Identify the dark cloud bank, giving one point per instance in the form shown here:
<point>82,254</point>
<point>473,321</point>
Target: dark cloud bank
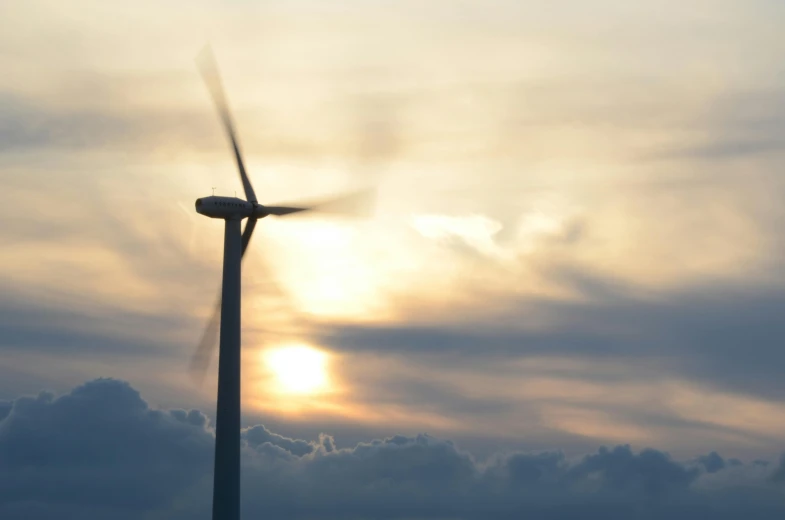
<point>101,452</point>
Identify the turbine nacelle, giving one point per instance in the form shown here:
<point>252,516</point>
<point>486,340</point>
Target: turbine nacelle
<point>228,208</point>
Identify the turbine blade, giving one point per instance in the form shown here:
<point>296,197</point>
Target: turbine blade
<point>280,211</point>
<point>357,204</point>
<point>250,225</point>
<point>200,361</point>
<point>212,78</point>
<point>204,350</point>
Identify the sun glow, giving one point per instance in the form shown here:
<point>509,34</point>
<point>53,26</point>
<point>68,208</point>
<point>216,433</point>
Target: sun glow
<point>297,369</point>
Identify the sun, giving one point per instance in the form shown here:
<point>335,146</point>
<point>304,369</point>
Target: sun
<point>297,369</point>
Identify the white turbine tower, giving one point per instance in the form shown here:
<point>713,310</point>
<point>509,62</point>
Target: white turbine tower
<point>226,483</point>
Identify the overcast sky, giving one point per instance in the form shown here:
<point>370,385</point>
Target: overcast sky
<point>576,243</point>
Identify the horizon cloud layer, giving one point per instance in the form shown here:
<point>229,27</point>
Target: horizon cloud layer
<point>101,450</point>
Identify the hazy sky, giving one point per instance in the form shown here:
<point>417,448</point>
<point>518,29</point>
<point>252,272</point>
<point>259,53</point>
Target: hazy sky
<point>576,239</point>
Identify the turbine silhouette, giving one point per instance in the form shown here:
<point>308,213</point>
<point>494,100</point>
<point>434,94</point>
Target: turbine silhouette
<point>226,317</point>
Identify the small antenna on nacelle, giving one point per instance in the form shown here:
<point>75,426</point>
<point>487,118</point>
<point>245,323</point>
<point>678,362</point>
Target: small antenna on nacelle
<point>213,192</point>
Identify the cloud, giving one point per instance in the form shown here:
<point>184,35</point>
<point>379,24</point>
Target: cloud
<point>257,436</point>
<point>99,446</point>
<point>724,334</point>
<point>5,409</point>
<point>101,450</point>
<point>713,462</point>
<point>779,473</point>
<point>581,371</point>
<point>748,122</point>
<point>588,366</point>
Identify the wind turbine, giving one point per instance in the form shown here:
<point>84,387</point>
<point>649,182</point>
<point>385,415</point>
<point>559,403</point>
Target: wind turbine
<point>233,210</point>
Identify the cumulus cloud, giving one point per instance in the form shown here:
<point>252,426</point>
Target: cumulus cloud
<point>101,451</point>
<point>779,473</point>
<point>98,446</point>
<point>258,436</point>
<point>713,462</point>
<point>5,409</point>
